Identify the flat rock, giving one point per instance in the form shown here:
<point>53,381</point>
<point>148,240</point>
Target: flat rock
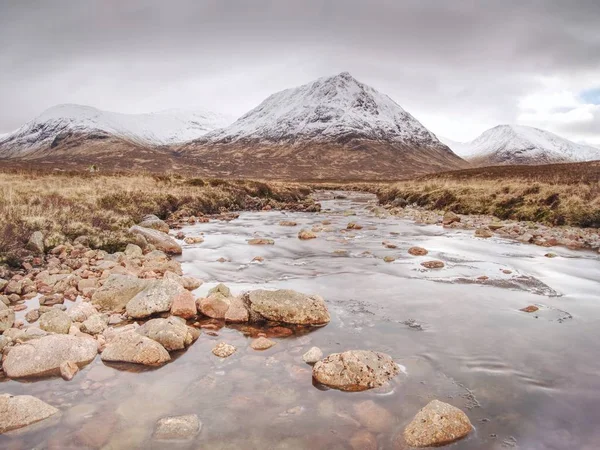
<point>177,427</point>
<point>18,411</point>
<point>436,424</point>
<point>55,321</point>
<point>160,240</point>
<point>355,370</point>
<point>156,297</point>
<point>134,348</point>
<point>287,306</point>
<point>43,356</point>
<point>117,291</point>
<point>172,333</point>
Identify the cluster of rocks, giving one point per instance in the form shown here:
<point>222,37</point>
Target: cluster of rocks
<point>488,226</point>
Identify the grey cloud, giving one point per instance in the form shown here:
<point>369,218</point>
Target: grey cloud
<point>463,58</point>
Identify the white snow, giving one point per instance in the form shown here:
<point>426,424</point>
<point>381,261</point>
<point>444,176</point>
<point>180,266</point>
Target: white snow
<point>159,128</point>
<point>512,143</point>
<point>326,108</point>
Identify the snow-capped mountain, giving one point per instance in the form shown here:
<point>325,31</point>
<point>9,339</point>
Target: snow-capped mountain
<point>333,124</point>
<point>517,144</point>
<point>63,121</point>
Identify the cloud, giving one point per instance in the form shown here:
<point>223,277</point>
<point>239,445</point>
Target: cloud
<point>458,66</point>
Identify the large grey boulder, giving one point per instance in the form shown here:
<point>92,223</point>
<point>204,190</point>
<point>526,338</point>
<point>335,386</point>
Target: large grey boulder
<point>355,370</point>
<point>36,242</point>
<point>172,333</point>
<point>287,306</point>
<point>18,411</point>
<point>55,321</point>
<point>43,356</point>
<point>160,240</point>
<point>117,291</point>
<point>7,317</point>
<point>157,297</point>
<point>134,348</point>
<point>152,221</point>
<point>437,424</point>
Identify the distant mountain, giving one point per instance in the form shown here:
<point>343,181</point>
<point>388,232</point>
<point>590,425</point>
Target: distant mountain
<point>516,144</point>
<point>331,128</point>
<point>78,127</point>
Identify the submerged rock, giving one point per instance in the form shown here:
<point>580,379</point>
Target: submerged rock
<point>171,333</point>
<point>287,306</point>
<point>18,411</point>
<point>160,240</point>
<point>68,370</point>
<point>355,370</point>
<point>262,343</point>
<point>373,417</point>
<point>437,424</point>
<point>223,350</point>
<point>177,427</point>
<point>306,235</point>
<point>134,348</point>
<point>43,356</point>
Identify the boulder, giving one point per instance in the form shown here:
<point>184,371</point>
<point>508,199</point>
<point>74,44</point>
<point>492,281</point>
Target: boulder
<point>287,306</point>
<point>160,240</point>
<point>157,297</point>
<point>117,291</point>
<point>18,411</point>
<point>417,251</point>
<point>55,321</point>
<point>223,350</point>
<point>81,311</point>
<point>355,370</point>
<point>36,243</point>
<point>450,217</point>
<point>313,355</point>
<point>7,317</point>
<point>134,348</point>
<point>172,333</point>
<point>437,424</point>
<point>68,370</point>
<point>483,233</point>
<point>152,221</point>
<point>43,356</point>
<point>95,324</point>
<point>133,251</point>
<point>184,305</point>
<point>237,311</point>
<point>189,283</point>
<point>214,306</point>
<point>179,428</point>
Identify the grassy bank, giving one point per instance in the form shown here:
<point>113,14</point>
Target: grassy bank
<point>552,203</point>
<point>66,206</point>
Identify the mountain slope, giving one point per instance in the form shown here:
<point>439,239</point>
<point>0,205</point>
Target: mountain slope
<point>516,144</point>
<point>331,128</point>
<point>77,124</point>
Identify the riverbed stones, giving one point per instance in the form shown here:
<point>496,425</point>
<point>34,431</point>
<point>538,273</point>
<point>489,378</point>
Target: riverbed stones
<point>155,298</point>
<point>154,222</point>
<point>363,440</point>
<point>261,241</point>
<point>188,283</point>
<point>305,235</point>
<point>417,251</point>
<point>68,369</point>
<point>184,305</point>
<point>95,324</point>
<point>389,259</point>
<point>172,333</point>
<point>355,370</point>
<point>117,291</point>
<point>133,251</point>
<point>483,233</point>
<point>36,243</point>
<point>287,306</point>
<point>18,411</point>
<point>313,355</point>
<point>134,348</point>
<point>287,223</point>
<point>55,321</point>
<point>81,311</point>
<point>160,240</point>
<point>433,264</point>
<point>262,343</point>
<point>373,417</point>
<point>437,424</point>
<point>223,350</point>
<point>450,218</point>
<point>7,317</point>
<point>180,428</point>
<point>191,240</point>
<point>530,309</point>
<point>43,356</point>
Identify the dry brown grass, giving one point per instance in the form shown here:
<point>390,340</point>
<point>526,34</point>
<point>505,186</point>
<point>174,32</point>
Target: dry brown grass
<point>65,206</point>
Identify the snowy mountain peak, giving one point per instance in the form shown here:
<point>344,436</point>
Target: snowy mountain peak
<point>331,109</point>
<point>161,128</point>
<point>519,144</point>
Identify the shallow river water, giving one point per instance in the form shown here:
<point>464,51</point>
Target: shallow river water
<point>526,380</point>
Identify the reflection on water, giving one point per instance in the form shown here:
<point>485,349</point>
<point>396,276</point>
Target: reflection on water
<point>527,381</point>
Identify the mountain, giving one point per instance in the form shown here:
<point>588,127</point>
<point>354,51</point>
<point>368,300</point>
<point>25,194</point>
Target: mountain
<point>331,128</point>
<point>76,128</point>
<point>517,144</point>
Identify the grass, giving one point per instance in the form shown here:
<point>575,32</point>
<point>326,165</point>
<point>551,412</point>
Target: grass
<point>558,194</point>
<point>101,208</point>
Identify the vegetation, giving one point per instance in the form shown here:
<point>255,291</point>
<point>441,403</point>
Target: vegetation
<point>100,208</point>
<point>558,194</point>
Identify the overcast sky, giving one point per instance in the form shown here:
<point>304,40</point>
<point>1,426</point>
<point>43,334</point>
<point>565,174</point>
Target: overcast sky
<point>458,67</point>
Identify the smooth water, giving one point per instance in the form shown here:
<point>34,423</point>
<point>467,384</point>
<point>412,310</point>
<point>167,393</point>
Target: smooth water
<point>526,380</point>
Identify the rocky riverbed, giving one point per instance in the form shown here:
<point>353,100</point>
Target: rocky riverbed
<point>461,335</point>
